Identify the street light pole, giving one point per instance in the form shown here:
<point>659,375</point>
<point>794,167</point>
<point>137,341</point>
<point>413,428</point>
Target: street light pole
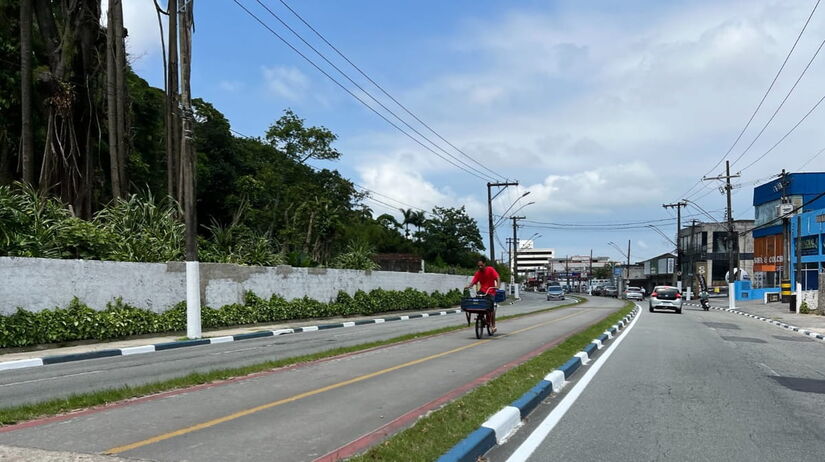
<point>490,198</point>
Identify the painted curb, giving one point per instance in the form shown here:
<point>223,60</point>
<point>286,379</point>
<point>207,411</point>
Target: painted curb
<point>486,437</point>
<point>783,325</point>
<point>128,351</point>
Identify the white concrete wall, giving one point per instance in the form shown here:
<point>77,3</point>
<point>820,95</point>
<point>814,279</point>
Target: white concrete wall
<point>38,283</point>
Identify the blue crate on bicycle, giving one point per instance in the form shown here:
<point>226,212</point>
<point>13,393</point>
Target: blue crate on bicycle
<point>475,303</point>
<point>501,295</point>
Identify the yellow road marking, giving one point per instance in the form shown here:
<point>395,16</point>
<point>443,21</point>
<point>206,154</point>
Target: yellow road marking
<point>227,418</point>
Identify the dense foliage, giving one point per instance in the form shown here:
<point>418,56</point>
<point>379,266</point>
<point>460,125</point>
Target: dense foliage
<point>258,199</point>
<point>79,322</point>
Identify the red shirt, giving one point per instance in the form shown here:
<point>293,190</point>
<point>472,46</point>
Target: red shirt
<point>487,277</point>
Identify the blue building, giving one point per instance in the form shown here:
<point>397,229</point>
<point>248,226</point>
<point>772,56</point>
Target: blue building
<point>812,248</point>
<point>774,258</point>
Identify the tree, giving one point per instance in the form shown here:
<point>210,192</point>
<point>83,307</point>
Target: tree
<point>453,236</point>
<point>289,135</point>
<point>26,137</point>
<point>604,272</point>
<point>407,215</point>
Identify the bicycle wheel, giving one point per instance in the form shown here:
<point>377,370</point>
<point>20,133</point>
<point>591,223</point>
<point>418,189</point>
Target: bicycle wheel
<point>480,322</point>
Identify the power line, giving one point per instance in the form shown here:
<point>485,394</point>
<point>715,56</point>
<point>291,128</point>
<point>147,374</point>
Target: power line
<point>384,91</point>
<point>350,92</point>
<point>346,76</point>
<point>785,215</point>
<point>786,135</point>
<point>782,103</point>
<point>811,159</point>
<point>773,82</point>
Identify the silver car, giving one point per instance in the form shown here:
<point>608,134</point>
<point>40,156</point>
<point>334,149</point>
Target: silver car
<point>668,297</point>
<point>633,293</point>
<point>555,293</point>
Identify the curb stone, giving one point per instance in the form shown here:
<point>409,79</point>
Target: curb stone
<point>800,330</point>
<point>502,424</point>
<point>56,359</point>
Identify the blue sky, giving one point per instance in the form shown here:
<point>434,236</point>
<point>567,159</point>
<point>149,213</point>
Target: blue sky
<point>602,110</point>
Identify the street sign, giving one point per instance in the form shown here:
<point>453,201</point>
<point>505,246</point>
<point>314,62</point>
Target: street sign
<point>617,271</point>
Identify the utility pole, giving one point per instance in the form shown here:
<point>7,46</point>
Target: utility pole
<point>732,240</point>
<point>515,248</point>
<point>490,198</point>
<point>678,267</point>
<point>187,163</point>
<point>692,247</point>
<point>590,274</point>
<point>628,261</point>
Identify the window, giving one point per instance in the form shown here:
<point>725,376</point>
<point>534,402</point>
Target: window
<point>720,242</point>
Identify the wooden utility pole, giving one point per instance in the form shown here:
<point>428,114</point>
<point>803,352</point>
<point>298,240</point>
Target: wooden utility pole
<point>732,238</point>
<point>678,267</point>
<point>120,85</point>
<point>26,136</point>
<point>187,164</point>
<point>490,198</point>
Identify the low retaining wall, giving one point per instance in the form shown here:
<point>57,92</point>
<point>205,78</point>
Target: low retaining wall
<point>38,283</point>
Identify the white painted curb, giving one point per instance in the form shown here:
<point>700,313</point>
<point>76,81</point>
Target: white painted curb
<point>503,422</point>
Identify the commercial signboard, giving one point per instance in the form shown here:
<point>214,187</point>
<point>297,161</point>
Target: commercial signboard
<point>768,253</point>
<point>809,245</point>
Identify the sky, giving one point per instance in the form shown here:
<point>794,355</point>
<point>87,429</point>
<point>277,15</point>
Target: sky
<point>602,110</point>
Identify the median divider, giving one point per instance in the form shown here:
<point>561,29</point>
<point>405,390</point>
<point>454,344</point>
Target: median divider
<point>56,359</point>
<point>505,422</point>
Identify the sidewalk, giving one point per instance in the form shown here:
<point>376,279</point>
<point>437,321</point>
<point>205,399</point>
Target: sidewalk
<point>776,311</point>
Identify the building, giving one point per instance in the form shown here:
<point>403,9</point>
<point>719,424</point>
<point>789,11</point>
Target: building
<point>575,269</point>
<point>705,252</point>
<point>773,259</point>
<point>658,271</point>
<point>532,262</point>
<point>809,230</point>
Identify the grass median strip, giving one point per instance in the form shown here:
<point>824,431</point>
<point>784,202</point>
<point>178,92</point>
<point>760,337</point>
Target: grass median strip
<point>439,431</point>
<point>16,414</point>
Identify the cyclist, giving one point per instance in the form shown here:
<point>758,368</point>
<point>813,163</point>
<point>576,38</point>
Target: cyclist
<point>488,279</point>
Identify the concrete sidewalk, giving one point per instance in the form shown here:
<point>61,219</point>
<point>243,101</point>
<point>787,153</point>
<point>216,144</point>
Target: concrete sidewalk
<point>776,311</point>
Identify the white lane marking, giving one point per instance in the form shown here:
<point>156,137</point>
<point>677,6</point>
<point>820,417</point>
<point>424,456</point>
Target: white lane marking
<point>769,369</point>
<point>49,378</point>
<point>546,426</point>
<point>233,351</point>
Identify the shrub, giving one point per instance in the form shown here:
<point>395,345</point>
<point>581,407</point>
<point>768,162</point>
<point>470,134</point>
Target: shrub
<point>79,322</point>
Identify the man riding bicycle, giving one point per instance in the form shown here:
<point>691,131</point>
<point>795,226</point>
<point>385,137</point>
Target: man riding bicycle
<point>488,279</point>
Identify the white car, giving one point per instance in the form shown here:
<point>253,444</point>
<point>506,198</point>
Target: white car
<point>668,297</point>
<point>633,293</point>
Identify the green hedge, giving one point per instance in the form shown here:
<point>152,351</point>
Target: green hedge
<point>79,322</point>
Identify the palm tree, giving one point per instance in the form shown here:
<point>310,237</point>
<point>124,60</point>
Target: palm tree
<point>388,221</point>
<point>418,219</point>
<point>408,220</point>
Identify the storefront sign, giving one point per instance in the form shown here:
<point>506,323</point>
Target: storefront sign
<point>809,245</point>
<point>768,253</point>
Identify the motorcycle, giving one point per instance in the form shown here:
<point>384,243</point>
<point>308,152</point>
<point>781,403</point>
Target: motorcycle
<point>703,300</point>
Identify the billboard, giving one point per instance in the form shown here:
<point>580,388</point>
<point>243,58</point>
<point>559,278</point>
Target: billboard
<point>768,253</point>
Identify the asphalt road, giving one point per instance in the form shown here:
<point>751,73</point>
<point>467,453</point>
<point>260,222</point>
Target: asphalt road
<point>697,386</point>
<point>23,386</point>
<point>304,412</point>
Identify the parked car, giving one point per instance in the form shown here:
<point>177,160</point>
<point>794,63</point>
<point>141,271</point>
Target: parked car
<point>668,297</point>
<point>555,293</point>
<point>633,293</point>
<point>597,290</point>
<point>610,291</point>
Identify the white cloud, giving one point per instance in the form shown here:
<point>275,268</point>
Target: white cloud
<point>285,82</point>
<point>231,86</point>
